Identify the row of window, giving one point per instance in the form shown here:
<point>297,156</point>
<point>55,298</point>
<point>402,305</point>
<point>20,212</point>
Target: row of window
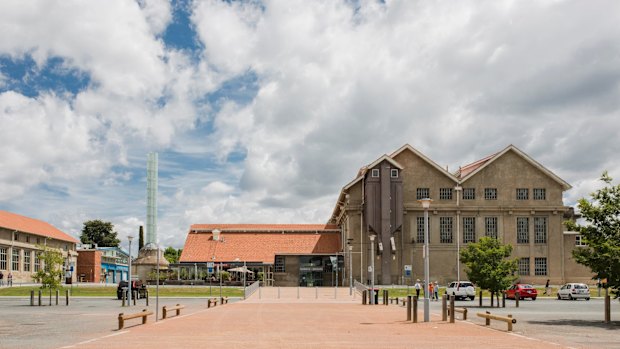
<point>15,256</point>
<point>376,173</point>
<point>540,266</point>
<point>489,193</point>
<point>490,229</point>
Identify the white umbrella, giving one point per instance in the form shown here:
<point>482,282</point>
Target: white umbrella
<point>241,270</point>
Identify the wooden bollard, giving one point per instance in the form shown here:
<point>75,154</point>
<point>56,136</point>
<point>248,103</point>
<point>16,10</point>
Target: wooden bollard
<point>503,299</point>
<point>480,299</point>
<point>510,323</point>
<point>487,319</point>
<point>40,297</point>
<point>31,297</point>
<point>517,296</point>
<point>444,308</point>
<point>364,297</point>
<point>57,295</point>
<point>452,309</point>
<point>409,307</point>
<point>607,308</point>
<point>415,310</point>
<point>385,297</point>
<point>124,296</point>
<point>121,321</point>
<point>67,297</point>
<point>133,297</point>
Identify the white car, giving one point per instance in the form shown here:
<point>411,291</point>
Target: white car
<point>461,290</point>
<point>574,291</point>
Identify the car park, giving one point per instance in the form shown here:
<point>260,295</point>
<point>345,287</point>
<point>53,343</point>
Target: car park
<point>524,291</point>
<point>574,291</point>
<point>461,290</point>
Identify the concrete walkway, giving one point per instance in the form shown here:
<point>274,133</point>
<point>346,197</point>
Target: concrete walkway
<point>327,321</point>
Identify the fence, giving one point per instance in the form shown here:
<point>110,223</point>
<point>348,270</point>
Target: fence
<point>360,287</point>
<point>249,290</point>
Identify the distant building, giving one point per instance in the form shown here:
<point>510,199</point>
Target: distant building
<point>22,238</point>
<point>102,264</point>
<point>286,254</point>
<point>508,196</point>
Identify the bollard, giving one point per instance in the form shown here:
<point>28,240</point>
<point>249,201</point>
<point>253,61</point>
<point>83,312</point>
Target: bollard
<point>50,297</point>
<point>221,300</point>
<point>124,297</point>
<point>386,295</point>
<point>480,299</point>
<point>147,298</point>
<point>409,308</point>
<point>67,297</point>
<point>415,310</point>
<point>488,320</point>
<point>364,297</point>
<point>133,298</point>
<point>57,294</point>
<point>510,324</point>
<point>31,297</point>
<point>444,308</point>
<point>492,296</point>
<point>503,299</point>
<point>517,299</point>
<point>39,297</point>
<point>452,309</point>
<point>607,307</point>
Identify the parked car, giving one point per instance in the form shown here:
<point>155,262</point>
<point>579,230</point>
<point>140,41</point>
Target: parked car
<point>461,290</point>
<point>524,291</point>
<point>574,291</point>
<point>139,289</point>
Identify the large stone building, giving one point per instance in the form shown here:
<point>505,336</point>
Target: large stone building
<point>21,238</point>
<point>507,195</point>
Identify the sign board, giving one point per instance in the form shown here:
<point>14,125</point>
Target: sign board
<point>210,264</point>
<point>408,270</point>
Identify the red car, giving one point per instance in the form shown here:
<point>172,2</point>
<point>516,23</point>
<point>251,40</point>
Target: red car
<point>524,290</point>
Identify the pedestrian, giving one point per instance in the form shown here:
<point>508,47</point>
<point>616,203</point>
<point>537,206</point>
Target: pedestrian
<point>436,288</point>
<point>1,279</point>
<point>431,291</point>
<point>9,279</point>
<point>416,286</point>
<point>547,290</point>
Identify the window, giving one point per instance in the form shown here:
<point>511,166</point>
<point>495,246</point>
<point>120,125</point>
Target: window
<point>540,230</point>
<point>37,261</point>
<point>524,266</point>
<point>16,236</point>
<point>279,264</point>
<point>27,238</point>
<point>422,193</point>
<point>394,173</point>
<point>445,193</point>
<point>579,241</point>
<point>38,241</point>
<point>15,260</point>
<point>27,260</point>
<point>490,227</point>
<point>445,230</point>
<point>540,194</point>
<point>469,229</point>
<point>490,193</point>
<point>420,224</point>
<point>374,172</point>
<point>469,193</point>
<point>3,258</point>
<point>540,266</point>
<point>523,230</point>
<point>523,194</point>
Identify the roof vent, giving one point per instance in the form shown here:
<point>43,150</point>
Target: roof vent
<point>216,235</point>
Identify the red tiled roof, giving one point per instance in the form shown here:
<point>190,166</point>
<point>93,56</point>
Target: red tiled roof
<point>25,224</point>
<point>258,247</point>
<point>469,168</point>
<point>264,227</point>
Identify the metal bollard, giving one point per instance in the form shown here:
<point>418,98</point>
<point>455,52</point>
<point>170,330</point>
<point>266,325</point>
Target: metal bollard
<point>40,297</point>
<point>517,296</point>
<point>31,297</point>
<point>452,309</point>
<point>67,297</point>
<point>444,308</point>
<point>409,308</point>
<point>415,310</point>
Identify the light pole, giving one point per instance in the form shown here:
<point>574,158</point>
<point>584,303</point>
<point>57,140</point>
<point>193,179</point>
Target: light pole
<point>157,287</point>
<point>350,269</point>
<point>458,190</point>
<point>372,268</point>
<point>129,273</point>
<point>426,203</point>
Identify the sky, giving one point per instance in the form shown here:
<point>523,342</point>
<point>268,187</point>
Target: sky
<point>261,111</point>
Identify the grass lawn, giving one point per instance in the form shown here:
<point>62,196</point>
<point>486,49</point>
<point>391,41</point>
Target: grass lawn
<point>110,291</point>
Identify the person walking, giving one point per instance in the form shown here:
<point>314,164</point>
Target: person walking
<point>9,279</point>
<point>1,279</point>
<point>547,291</point>
<point>431,291</point>
<point>436,288</point>
<point>416,286</point>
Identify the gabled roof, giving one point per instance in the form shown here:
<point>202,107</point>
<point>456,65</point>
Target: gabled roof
<point>425,158</point>
<point>13,221</point>
<point>257,247</point>
<point>469,168</point>
<point>479,165</point>
<point>256,228</point>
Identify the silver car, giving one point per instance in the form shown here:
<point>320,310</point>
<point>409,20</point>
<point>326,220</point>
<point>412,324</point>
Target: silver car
<point>574,291</point>
<point>461,290</point>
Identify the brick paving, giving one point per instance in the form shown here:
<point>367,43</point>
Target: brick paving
<point>310,320</point>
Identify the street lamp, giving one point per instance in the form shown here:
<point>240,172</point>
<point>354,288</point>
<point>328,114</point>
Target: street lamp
<point>458,190</point>
<point>129,273</point>
<point>372,268</point>
<point>426,203</point>
<point>157,287</point>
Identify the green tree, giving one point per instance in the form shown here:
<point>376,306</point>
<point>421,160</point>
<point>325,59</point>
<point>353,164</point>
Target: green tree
<point>100,233</point>
<point>50,275</point>
<point>488,265</point>
<point>172,254</point>
<point>141,238</point>
<point>601,233</point>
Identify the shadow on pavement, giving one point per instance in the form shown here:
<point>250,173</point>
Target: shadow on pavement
<point>578,323</point>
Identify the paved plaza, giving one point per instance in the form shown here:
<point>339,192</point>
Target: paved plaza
<point>302,318</point>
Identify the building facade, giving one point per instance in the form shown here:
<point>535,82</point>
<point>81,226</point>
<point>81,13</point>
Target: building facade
<point>22,238</point>
<point>507,195</point>
<point>102,264</point>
